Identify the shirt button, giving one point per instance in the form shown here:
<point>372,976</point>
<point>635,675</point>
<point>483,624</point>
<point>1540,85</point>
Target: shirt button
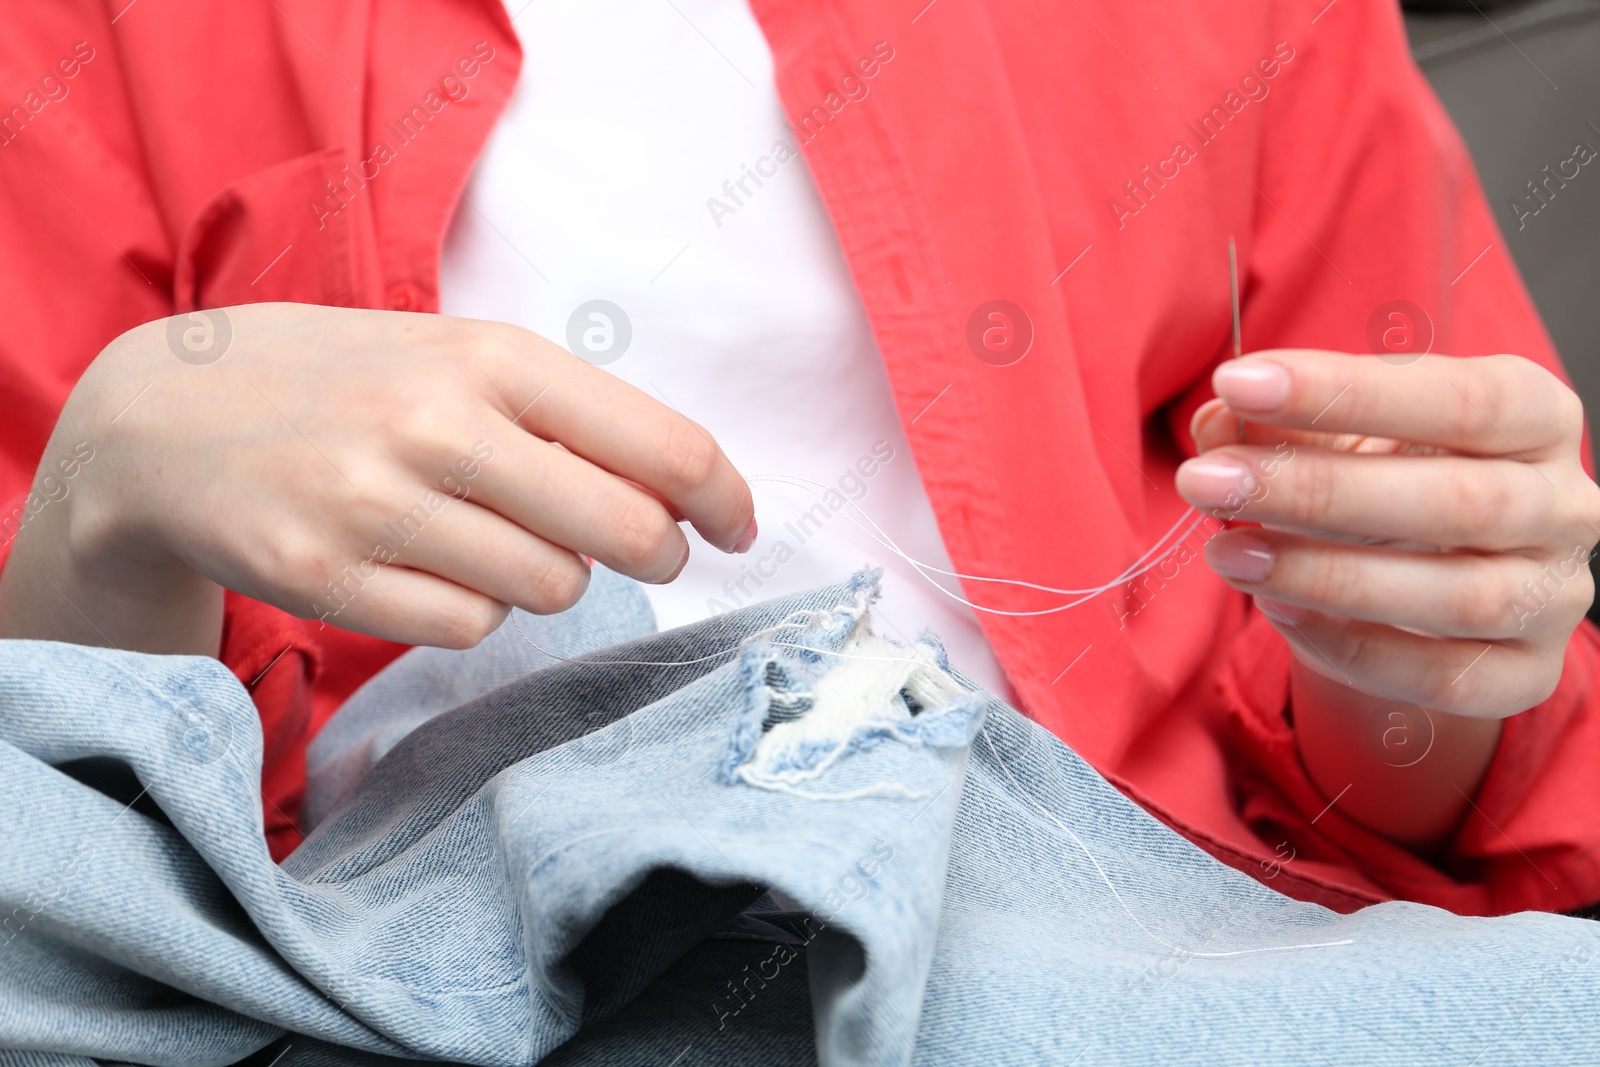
<point>405,297</point>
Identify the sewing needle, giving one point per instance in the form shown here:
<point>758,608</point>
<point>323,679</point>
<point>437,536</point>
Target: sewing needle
<point>1233,291</point>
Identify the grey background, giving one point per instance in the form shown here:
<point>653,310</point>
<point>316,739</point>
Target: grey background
<point>1522,81</point>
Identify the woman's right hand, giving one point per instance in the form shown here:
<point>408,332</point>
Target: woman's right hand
<point>402,475</point>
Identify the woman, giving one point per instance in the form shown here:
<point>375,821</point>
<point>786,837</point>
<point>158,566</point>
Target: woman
<point>1023,217</point>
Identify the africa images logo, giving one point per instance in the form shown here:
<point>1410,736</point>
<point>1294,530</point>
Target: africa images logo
<point>200,338</point>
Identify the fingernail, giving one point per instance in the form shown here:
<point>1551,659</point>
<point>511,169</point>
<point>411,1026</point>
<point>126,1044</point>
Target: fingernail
<point>1216,482</point>
<point>1252,385</point>
<point>748,539</point>
<point>1239,555</point>
<point>1274,609</point>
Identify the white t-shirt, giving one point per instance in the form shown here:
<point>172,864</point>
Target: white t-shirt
<point>597,185</point>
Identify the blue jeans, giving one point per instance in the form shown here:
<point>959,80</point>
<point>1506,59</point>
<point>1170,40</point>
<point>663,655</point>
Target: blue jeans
<point>767,837</point>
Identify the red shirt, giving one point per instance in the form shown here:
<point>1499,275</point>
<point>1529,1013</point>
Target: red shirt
<point>1086,163</point>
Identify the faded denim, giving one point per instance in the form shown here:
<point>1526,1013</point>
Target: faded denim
<point>429,681</point>
<point>584,851</point>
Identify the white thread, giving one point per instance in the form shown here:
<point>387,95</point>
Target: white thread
<point>1107,880</point>
<point>1139,566</point>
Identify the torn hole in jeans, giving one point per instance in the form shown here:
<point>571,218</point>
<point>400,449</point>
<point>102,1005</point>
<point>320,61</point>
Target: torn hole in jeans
<point>847,691</point>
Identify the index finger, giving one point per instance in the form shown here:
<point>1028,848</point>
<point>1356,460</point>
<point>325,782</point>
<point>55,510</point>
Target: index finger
<point>616,426</point>
<point>1482,405</point>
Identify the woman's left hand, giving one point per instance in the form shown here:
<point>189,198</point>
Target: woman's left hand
<point>1426,526</point>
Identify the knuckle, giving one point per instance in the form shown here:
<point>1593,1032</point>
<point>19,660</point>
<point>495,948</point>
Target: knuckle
<point>1528,680</point>
<point>1520,374</point>
<point>1574,595</point>
<point>1543,680</point>
<point>557,585</point>
<point>1582,586</point>
<point>1442,690</point>
<point>1334,579</point>
<point>1566,410</point>
<point>1482,503</point>
<point>296,552</point>
<point>364,487</point>
<point>1481,682</point>
<point>1586,511</point>
<point>288,552</point>
<point>1576,604</point>
<point>1496,394</point>
<point>1475,605</point>
<point>1554,597</point>
<point>1543,511</point>
<point>464,627</point>
<point>1316,491</point>
<point>1510,371</point>
<point>429,427</point>
<point>1454,683</point>
<point>1353,648</point>
<point>1563,519</point>
<point>640,534</point>
<point>1479,399</point>
<point>494,347</point>
<point>688,456</point>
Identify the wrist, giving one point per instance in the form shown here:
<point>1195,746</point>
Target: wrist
<point>1403,771</point>
<point>79,570</point>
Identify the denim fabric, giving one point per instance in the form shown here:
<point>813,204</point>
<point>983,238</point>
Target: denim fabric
<point>665,1024</point>
<point>573,866</point>
<point>428,681</point>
